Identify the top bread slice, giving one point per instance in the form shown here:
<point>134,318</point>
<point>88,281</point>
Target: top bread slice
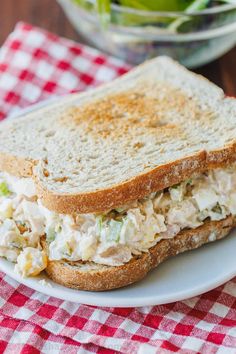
<point>145,131</point>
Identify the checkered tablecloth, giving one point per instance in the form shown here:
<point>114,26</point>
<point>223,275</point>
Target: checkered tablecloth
<point>35,65</point>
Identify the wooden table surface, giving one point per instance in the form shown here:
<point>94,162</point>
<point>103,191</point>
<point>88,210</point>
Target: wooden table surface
<point>48,14</point>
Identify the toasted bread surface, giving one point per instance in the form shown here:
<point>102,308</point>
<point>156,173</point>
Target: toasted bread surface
<point>148,130</point>
<point>94,277</point>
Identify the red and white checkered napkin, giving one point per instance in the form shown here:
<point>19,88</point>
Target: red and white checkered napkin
<point>35,65</point>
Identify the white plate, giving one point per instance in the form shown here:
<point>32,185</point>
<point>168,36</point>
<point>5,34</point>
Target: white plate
<point>183,276</point>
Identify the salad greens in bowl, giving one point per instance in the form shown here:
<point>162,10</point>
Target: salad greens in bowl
<point>192,31</point>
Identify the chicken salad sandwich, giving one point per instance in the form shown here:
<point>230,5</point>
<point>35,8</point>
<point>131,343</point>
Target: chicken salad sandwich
<point>99,189</point>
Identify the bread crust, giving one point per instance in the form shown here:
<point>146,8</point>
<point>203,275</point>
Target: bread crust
<point>99,201</point>
<point>101,278</point>
<point>138,187</point>
<point>16,166</point>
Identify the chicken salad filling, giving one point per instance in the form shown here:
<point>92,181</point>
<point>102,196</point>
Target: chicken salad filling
<point>111,238</point>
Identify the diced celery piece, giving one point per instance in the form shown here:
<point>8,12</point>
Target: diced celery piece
<point>114,230</point>
<point>4,190</point>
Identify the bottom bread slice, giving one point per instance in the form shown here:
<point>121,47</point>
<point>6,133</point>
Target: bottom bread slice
<point>96,277</point>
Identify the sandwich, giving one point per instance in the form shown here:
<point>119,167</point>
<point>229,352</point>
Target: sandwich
<point>101,187</point>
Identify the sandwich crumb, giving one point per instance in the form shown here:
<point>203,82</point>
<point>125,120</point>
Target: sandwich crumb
<point>45,283</point>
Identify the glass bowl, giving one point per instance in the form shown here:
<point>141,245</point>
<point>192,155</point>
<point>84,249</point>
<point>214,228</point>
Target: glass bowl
<point>133,35</point>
